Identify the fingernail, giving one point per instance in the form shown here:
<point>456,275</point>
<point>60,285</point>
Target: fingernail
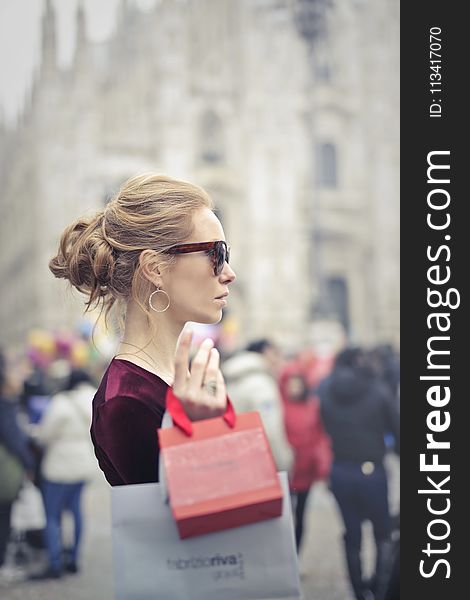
<point>208,342</point>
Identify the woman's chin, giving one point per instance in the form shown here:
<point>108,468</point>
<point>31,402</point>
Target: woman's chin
<point>218,319</point>
<point>211,318</point>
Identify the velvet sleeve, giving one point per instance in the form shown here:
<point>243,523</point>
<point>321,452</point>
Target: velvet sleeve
<point>126,430</point>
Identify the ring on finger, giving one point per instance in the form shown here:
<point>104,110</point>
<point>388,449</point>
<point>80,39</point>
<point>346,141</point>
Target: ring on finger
<point>210,386</point>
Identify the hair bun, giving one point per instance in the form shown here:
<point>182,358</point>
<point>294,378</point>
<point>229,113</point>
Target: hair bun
<point>85,258</point>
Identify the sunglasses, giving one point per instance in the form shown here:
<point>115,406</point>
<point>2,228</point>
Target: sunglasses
<point>218,251</point>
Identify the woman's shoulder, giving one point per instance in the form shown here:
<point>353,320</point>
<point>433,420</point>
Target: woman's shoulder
<point>125,383</point>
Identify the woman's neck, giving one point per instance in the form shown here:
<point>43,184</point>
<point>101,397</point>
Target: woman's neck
<point>151,347</point>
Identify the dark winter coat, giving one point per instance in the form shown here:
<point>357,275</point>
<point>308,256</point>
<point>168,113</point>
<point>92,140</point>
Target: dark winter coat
<point>357,411</point>
<point>12,437</point>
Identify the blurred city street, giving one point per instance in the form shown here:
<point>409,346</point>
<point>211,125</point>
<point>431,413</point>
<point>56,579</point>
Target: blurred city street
<point>123,123</point>
<point>321,567</point>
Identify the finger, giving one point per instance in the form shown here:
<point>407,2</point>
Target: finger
<point>206,406</point>
<point>221,396</point>
<point>212,366</point>
<point>198,368</point>
<point>210,377</point>
<point>182,362</point>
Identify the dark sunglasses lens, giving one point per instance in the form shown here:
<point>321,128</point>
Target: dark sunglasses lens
<point>221,256</point>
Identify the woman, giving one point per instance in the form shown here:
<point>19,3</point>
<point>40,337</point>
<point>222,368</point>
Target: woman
<point>312,451</point>
<point>159,252</point>
<point>67,465</point>
<point>358,411</point>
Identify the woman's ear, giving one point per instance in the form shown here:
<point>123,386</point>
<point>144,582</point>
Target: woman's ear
<point>151,267</point>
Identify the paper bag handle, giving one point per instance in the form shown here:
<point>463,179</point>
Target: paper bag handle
<point>181,419</point>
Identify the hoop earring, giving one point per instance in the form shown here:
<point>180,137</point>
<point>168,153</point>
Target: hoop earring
<point>159,291</point>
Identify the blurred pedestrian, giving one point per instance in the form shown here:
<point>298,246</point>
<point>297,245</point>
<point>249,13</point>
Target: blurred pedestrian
<point>35,398</point>
<point>305,432</point>
<point>68,463</point>
<point>16,459</point>
<point>271,354</point>
<point>158,251</point>
<point>251,377</point>
<point>357,411</point>
<point>386,364</point>
<point>36,393</point>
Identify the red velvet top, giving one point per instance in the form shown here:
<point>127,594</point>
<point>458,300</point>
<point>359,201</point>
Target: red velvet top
<point>127,410</point>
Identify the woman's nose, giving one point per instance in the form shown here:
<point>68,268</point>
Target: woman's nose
<point>228,274</point>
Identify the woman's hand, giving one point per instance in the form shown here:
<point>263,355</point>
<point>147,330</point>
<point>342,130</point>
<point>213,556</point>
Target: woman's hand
<point>201,391</point>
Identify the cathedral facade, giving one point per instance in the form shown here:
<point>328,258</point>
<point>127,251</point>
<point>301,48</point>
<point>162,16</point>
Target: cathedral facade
<point>285,110</point>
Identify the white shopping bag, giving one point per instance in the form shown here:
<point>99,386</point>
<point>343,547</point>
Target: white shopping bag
<point>28,509</point>
<point>253,562</point>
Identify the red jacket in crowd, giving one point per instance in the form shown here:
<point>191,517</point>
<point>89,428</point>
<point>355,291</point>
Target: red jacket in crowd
<point>304,428</point>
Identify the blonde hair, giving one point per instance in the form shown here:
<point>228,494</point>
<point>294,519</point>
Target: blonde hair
<point>99,255</point>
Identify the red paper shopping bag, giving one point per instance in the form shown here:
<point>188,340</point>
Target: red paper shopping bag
<point>220,472</point>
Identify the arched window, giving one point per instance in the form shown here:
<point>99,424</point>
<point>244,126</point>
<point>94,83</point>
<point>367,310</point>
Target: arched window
<point>326,165</point>
<point>322,62</point>
<point>211,138</point>
<point>338,301</point>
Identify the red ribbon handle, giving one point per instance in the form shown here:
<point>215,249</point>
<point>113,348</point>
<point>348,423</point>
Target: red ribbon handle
<point>181,419</point>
